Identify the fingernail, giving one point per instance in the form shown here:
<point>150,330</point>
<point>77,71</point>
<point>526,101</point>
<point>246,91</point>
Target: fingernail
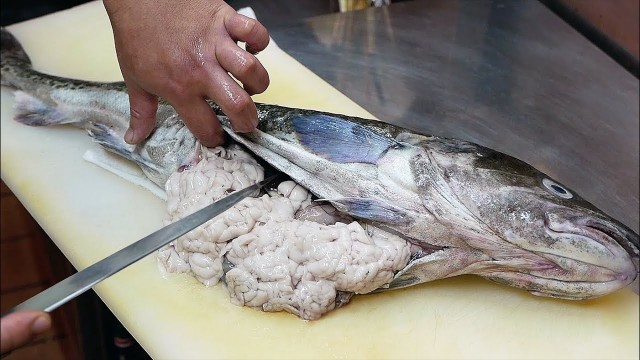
<point>41,324</point>
<point>129,136</point>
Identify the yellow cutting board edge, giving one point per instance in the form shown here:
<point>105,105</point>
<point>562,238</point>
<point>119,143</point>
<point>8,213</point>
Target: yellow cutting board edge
<point>90,213</point>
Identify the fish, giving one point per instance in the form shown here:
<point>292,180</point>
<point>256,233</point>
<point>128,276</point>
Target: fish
<point>465,208</point>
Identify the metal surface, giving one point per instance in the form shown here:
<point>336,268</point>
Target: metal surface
<point>509,75</point>
<point>74,285</point>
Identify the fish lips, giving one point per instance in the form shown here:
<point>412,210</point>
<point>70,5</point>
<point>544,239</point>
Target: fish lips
<point>587,232</point>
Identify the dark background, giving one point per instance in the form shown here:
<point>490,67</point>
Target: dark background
<point>279,11</point>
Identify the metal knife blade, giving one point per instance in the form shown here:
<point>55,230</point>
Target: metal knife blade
<point>76,284</point>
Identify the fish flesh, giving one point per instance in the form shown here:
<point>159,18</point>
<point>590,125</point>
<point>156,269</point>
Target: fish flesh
<point>464,208</point>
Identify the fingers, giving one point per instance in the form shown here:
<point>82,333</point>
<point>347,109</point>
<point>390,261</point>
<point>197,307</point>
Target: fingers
<point>200,118</point>
<point>19,328</point>
<point>244,67</point>
<point>242,28</point>
<point>185,75</point>
<point>143,113</point>
<point>233,101</point>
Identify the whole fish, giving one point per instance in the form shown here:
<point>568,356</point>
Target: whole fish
<point>465,208</point>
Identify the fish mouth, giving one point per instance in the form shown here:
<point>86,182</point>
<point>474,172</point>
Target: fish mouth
<point>629,241</point>
<point>607,248</point>
<point>626,238</point>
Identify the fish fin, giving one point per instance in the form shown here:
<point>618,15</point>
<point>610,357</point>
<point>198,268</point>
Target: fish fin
<point>341,141</point>
<point>371,209</point>
<point>110,140</point>
<point>35,112</point>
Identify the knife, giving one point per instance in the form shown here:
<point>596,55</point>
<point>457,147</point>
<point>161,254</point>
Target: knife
<point>76,284</point>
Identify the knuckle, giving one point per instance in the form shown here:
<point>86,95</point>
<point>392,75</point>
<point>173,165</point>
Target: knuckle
<point>175,88</point>
<point>137,113</point>
<point>241,102</point>
<point>252,27</point>
<point>259,32</point>
<point>142,109</point>
<point>192,64</point>
<point>253,31</point>
<point>252,63</point>
<point>249,66</point>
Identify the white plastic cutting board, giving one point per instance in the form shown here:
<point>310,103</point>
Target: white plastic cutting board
<point>90,213</point>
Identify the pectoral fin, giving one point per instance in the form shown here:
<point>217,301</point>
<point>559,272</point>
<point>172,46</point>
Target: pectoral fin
<point>339,140</point>
<point>371,209</point>
<point>443,263</point>
<point>112,141</point>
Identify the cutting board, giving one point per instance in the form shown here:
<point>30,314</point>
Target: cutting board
<point>90,213</point>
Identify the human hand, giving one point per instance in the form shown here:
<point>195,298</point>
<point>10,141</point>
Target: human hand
<point>17,329</point>
<point>183,52</point>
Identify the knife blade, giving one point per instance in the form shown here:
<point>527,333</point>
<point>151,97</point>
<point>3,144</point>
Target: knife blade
<point>76,284</point>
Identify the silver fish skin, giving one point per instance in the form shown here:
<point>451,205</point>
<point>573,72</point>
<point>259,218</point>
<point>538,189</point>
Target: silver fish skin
<point>466,208</point>
<point>100,108</point>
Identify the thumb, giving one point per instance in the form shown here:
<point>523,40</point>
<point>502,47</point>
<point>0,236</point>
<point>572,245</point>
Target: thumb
<point>19,328</point>
<point>143,106</point>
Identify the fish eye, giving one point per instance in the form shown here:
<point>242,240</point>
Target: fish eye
<point>557,189</point>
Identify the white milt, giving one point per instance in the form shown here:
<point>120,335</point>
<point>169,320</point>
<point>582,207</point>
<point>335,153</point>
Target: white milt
<point>299,196</point>
<point>219,172</point>
<point>299,266</point>
<point>279,262</point>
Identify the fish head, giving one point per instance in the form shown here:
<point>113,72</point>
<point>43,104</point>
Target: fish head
<point>539,234</point>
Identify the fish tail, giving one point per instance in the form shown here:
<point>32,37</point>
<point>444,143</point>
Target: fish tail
<point>13,57</point>
<point>34,112</point>
<point>18,73</point>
